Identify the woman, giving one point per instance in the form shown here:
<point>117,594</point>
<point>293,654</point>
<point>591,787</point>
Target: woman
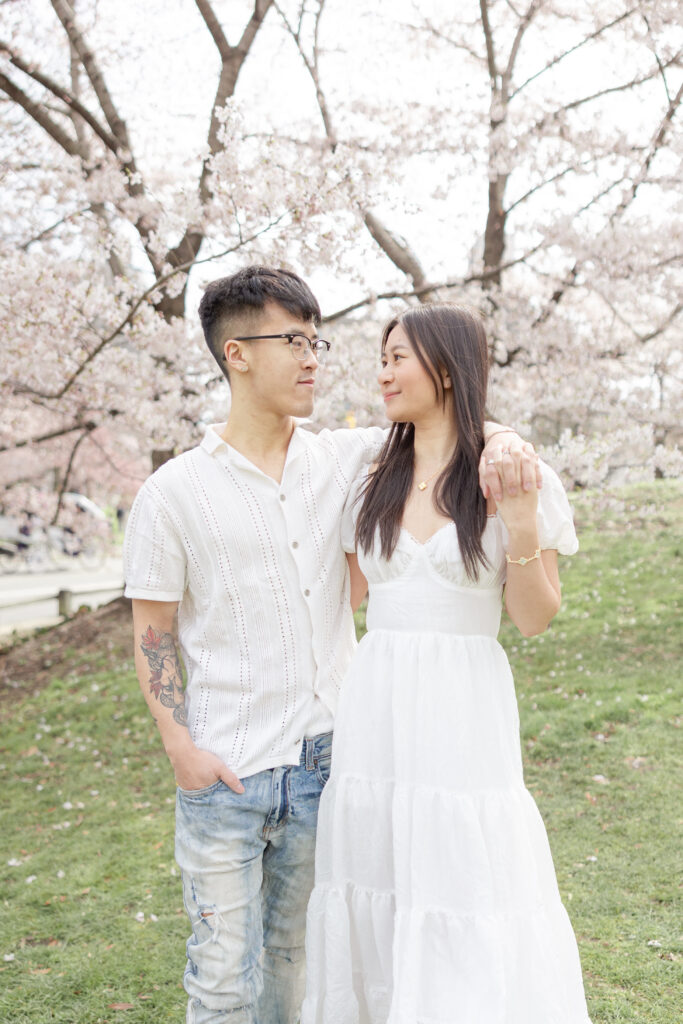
<point>435,899</point>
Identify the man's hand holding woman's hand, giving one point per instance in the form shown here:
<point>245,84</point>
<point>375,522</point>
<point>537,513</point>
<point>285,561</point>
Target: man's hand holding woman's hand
<point>508,465</point>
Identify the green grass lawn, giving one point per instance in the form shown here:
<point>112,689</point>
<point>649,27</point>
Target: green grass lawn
<point>93,929</point>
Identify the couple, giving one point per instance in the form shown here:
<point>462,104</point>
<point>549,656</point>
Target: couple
<point>435,898</point>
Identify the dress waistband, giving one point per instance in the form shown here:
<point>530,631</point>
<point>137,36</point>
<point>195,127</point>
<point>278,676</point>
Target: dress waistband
<point>410,607</point>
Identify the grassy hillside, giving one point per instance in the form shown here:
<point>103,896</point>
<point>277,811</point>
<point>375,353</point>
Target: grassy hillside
<point>93,929</point>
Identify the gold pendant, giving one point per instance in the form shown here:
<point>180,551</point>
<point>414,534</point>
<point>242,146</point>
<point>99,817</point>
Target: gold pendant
<point>422,486</point>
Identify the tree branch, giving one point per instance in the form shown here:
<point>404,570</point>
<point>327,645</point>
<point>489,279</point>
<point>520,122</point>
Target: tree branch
<point>261,8</point>
<point>661,66</point>
<point>72,102</point>
<point>610,90</point>
<point>215,28</point>
<point>488,37</point>
<point>656,145</point>
<point>89,425</point>
<point>24,246</point>
<point>35,110</point>
<point>159,283</point>
<point>657,142</point>
<point>395,248</point>
<point>419,293</point>
<point>566,53</point>
<point>547,181</point>
<point>67,473</point>
<point>312,65</point>
<point>642,338</point>
<point>432,30</point>
<point>532,10</point>
<point>558,295</point>
<point>398,251</point>
<point>87,58</point>
<point>107,457</point>
<point>232,61</point>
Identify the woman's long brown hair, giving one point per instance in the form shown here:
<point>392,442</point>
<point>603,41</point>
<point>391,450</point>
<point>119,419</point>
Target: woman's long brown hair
<point>448,340</point>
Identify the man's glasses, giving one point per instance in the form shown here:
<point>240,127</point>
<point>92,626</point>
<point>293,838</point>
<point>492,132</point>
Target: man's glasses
<point>299,345</point>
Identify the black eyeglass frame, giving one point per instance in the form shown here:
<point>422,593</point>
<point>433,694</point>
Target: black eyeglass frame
<point>314,345</point>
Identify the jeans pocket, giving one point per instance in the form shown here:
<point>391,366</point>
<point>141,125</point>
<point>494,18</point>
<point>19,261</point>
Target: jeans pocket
<point>196,794</point>
<point>322,764</point>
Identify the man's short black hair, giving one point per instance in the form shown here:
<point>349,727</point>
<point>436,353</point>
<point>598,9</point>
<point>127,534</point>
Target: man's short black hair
<point>231,304</point>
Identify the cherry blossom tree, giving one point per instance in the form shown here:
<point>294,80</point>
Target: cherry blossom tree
<point>568,114</point>
<point>97,355</point>
<point>520,157</point>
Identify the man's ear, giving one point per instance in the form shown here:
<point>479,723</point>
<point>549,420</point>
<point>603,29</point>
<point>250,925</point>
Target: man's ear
<point>234,356</point>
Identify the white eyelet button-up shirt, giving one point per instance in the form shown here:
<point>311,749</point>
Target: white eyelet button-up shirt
<point>264,621</point>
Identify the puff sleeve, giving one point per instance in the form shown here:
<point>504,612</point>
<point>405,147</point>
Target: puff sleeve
<point>554,515</point>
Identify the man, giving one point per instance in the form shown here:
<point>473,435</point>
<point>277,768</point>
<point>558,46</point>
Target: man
<point>241,538</point>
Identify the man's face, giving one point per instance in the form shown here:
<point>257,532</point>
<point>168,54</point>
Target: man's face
<point>275,382</point>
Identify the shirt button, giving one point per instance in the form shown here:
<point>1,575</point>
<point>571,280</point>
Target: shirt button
<point>295,543</point>
<point>307,592</point>
<point>282,497</point>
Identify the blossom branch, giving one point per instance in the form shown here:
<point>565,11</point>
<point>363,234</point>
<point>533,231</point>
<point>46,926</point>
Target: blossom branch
<point>67,473</point>
<point>571,169</point>
<point>608,91</point>
<point>657,143</point>
<point>24,246</point>
<point>87,58</point>
<point>419,293</point>
<point>88,425</point>
<point>71,101</point>
<point>183,268</point>
<point>566,53</point>
<point>395,248</point>
<point>524,24</point>
<point>232,61</point>
<point>38,113</point>
<point>432,30</point>
<point>488,39</point>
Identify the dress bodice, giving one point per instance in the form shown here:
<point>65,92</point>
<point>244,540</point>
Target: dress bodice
<point>425,588</point>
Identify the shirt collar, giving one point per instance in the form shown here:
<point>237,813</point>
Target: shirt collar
<point>212,442</point>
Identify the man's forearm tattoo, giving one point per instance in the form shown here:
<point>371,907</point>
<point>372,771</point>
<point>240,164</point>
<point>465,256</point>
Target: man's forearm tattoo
<point>166,680</point>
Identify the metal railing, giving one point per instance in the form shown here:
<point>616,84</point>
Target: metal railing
<point>68,599</point>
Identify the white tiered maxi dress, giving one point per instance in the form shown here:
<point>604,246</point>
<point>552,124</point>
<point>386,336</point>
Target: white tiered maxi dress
<point>435,898</point>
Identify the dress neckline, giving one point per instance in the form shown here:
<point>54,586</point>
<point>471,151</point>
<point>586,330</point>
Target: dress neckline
<point>424,543</point>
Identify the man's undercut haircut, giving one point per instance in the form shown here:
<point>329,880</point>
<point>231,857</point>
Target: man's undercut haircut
<point>232,305</point>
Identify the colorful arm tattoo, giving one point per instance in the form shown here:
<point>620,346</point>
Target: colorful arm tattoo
<point>166,680</point>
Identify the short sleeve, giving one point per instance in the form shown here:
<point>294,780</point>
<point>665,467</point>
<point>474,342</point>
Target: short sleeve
<point>154,563</point>
<point>350,513</point>
<point>554,516</point>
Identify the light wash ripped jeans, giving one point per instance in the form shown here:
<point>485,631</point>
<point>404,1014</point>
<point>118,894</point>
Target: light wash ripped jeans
<point>247,864</point>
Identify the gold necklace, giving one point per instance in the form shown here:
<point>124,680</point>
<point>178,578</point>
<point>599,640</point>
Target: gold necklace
<point>422,486</point>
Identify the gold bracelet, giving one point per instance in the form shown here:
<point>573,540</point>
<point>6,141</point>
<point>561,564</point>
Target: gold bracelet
<point>522,561</point>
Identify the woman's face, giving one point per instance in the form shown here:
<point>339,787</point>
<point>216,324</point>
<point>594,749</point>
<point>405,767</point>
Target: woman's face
<point>407,388</point>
